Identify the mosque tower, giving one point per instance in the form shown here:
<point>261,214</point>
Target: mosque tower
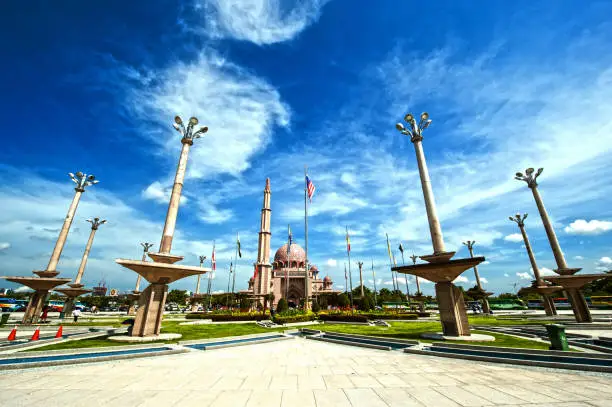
<point>264,268</point>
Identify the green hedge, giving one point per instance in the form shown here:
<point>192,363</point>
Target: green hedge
<point>343,317</point>
<point>289,319</point>
<point>226,317</point>
<point>389,315</point>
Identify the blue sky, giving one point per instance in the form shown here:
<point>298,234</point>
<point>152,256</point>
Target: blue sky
<point>93,87</point>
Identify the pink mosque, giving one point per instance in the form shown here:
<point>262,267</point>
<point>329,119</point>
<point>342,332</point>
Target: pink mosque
<point>285,276</point>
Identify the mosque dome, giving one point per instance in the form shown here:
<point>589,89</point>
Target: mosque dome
<point>327,279</point>
<point>296,254</point>
<point>314,268</point>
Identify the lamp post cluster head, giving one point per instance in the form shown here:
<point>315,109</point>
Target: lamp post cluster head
<point>470,244</point>
<point>518,219</point>
<point>414,258</point>
<point>187,132</point>
<point>529,177</point>
<point>82,180</point>
<point>96,222</point>
<point>415,130</point>
<point>146,246</point>
<point>202,259</point>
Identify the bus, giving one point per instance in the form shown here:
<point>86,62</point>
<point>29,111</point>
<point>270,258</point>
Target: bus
<point>535,304</point>
<point>601,301</point>
<point>506,304</point>
<point>11,304</point>
<point>562,303</point>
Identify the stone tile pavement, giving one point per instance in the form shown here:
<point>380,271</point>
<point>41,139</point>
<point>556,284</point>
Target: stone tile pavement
<point>300,373</point>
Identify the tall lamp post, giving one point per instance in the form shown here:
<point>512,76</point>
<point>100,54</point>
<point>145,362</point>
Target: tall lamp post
<point>360,265</point>
<point>482,293</point>
<point>440,268</point>
<point>570,282</point>
<point>135,295</point>
<point>76,288</point>
<point>197,296</point>
<point>47,278</point>
<point>162,271</point>
<point>539,285</point>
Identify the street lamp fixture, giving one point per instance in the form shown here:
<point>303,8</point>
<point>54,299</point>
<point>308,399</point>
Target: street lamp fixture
<point>415,130</point>
<point>188,133</point>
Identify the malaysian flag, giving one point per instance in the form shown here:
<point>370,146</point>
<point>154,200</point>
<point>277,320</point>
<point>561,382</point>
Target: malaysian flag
<point>255,272</point>
<point>310,188</point>
<point>214,259</point>
<point>348,241</point>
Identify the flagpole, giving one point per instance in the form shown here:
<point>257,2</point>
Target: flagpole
<point>306,279</point>
<point>405,276</point>
<point>390,261</point>
<point>213,264</point>
<point>348,253</point>
<point>374,277</point>
<point>229,280</point>
<point>235,267</point>
<point>345,278</point>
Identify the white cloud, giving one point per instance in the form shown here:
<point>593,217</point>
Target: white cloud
<point>259,21</point>
<point>389,282</point>
<point>506,275</point>
<point>605,261</point>
<point>524,276</point>
<point>484,280</point>
<point>461,279</point>
<point>332,262</point>
<point>544,271</point>
<point>484,263</point>
<point>23,289</point>
<point>514,237</point>
<point>240,110</point>
<point>4,246</point>
<point>158,193</point>
<point>602,268</point>
<point>591,227</point>
<point>578,258</point>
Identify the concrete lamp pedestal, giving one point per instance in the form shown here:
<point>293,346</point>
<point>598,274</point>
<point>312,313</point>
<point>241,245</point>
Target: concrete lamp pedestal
<point>71,294</point>
<point>453,315</point>
<point>546,292</point>
<point>196,301</point>
<point>133,297</point>
<point>41,287</point>
<point>153,299</point>
<point>571,285</point>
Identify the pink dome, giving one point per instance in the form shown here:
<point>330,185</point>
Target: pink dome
<point>296,253</point>
<point>327,279</point>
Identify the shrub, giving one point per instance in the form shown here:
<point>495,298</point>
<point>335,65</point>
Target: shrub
<point>289,319</point>
<point>282,305</point>
<point>315,307</point>
<point>343,300</point>
<point>343,317</point>
<point>388,315</point>
<point>227,317</point>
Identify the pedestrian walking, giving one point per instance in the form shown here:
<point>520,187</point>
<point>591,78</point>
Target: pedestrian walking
<point>76,313</point>
<point>43,317</point>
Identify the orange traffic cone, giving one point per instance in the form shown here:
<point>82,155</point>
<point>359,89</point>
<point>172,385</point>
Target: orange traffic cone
<point>13,335</point>
<point>36,335</point>
<point>59,332</point>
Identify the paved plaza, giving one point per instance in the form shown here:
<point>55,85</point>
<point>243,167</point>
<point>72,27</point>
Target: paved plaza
<point>300,372</point>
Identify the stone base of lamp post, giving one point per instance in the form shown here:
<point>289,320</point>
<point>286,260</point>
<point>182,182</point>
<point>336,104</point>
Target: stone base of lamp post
<point>132,298</point>
<point>153,299</point>
<point>196,301</point>
<point>450,299</point>
<point>482,295</point>
<point>545,292</point>
<point>150,310</point>
<point>420,299</point>
<point>452,310</point>
<point>441,257</point>
<point>41,287</point>
<point>572,285</point>
<point>71,294</point>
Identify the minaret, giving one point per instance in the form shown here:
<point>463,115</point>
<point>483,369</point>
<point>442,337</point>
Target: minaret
<point>264,268</point>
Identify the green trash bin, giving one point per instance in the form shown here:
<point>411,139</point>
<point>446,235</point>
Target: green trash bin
<point>5,317</point>
<point>556,334</point>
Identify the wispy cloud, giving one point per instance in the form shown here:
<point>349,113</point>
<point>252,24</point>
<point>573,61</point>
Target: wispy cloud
<point>259,21</point>
<point>514,237</point>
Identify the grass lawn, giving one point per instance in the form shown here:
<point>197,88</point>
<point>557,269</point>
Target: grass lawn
<point>492,320</point>
<point>189,332</point>
<point>411,330</point>
<point>405,330</point>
